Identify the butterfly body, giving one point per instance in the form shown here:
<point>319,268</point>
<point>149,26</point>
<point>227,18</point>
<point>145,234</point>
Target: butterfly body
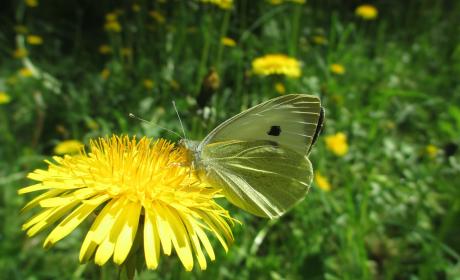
<point>258,157</point>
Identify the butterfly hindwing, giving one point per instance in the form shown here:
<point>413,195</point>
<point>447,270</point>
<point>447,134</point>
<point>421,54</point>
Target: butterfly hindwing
<point>246,172</point>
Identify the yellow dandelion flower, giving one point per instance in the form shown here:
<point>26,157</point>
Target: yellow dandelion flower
<point>322,182</point>
<point>146,198</point>
<point>191,30</point>
<point>105,73</point>
<point>337,69</point>
<point>431,150</point>
<point>111,17</point>
<point>366,12</point>
<point>280,88</point>
<point>126,51</point>
<point>19,53</point>
<point>61,129</point>
<point>391,125</point>
<point>104,49</point>
<point>298,1</point>
<point>147,83</point>
<point>136,8</point>
<point>157,16</point>
<point>21,29</point>
<point>174,84</point>
<point>228,42</point>
<point>279,64</point>
<point>92,124</point>
<point>319,40</point>
<point>112,26</point>
<point>32,3</point>
<point>226,5</point>
<point>4,98</point>
<point>34,40</point>
<point>275,2</point>
<point>12,80</point>
<point>68,147</point>
<point>26,72</point>
<point>337,144</point>
<point>337,99</point>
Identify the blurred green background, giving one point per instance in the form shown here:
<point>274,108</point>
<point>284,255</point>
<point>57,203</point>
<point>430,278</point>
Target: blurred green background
<point>393,208</point>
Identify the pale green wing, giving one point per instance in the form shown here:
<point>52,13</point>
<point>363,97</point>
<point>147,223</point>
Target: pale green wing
<point>260,177</point>
<point>290,120</point>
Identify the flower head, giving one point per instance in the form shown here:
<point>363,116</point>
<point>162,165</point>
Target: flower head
<point>228,42</point>
<point>19,53</point>
<point>105,73</point>
<point>280,88</point>
<point>26,72</point>
<point>147,83</point>
<point>337,69</point>
<point>4,98</point>
<point>112,26</point>
<point>34,40</point>
<point>144,199</point>
<point>319,40</point>
<point>68,147</point>
<point>156,15</point>
<point>104,49</point>
<point>136,7</point>
<point>174,84</point>
<point>322,182</point>
<point>431,150</point>
<point>277,64</point>
<point>224,4</point>
<point>366,12</point>
<point>337,144</point>
<point>32,3</point>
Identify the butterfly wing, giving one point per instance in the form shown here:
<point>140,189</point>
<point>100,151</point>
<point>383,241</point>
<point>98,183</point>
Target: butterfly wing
<point>261,177</point>
<point>290,120</point>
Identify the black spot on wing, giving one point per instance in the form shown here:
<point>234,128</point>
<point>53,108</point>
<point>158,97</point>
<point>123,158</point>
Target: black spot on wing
<point>275,130</point>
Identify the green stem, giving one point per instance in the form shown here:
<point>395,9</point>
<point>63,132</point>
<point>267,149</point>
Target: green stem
<point>223,34</point>
<point>295,30</point>
<point>204,57</point>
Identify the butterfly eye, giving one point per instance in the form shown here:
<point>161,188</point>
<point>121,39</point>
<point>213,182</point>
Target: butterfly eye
<point>275,130</point>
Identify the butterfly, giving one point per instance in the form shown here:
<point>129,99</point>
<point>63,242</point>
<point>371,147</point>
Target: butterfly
<point>258,158</point>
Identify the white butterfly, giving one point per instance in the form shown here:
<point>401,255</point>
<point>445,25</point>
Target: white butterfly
<point>259,157</point>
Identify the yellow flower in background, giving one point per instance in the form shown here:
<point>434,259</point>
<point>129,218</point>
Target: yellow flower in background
<point>225,4</point>
<point>26,72</point>
<point>431,150</point>
<point>92,124</point>
<point>19,53</point>
<point>174,84</point>
<point>4,98</point>
<point>136,8</point>
<point>319,40</point>
<point>105,73</point>
<point>337,99</point>
<point>147,83</point>
<point>191,30</point>
<point>275,2</point>
<point>157,16</point>
<point>112,26</point>
<point>32,3</point>
<point>21,29</point>
<point>298,1</point>
<point>144,199</point>
<point>34,40</point>
<point>322,182</point>
<point>337,144</point>
<point>280,88</point>
<point>111,17</point>
<point>12,80</point>
<point>337,69</point>
<point>104,49</point>
<point>279,64</point>
<point>68,147</point>
<point>366,12</point>
<point>228,42</point>
<point>126,51</point>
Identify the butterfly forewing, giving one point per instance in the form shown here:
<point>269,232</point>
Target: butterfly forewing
<point>289,120</point>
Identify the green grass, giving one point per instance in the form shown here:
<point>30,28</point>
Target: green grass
<point>393,210</point>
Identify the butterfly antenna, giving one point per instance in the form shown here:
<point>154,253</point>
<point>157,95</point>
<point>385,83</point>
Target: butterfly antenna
<point>174,104</point>
<point>134,117</point>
